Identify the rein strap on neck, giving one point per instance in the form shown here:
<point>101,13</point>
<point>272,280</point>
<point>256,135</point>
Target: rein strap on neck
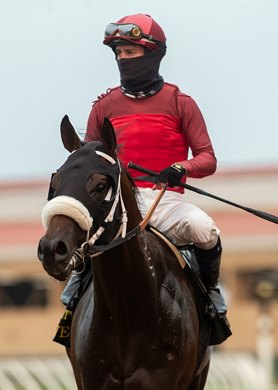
<point>96,250</point>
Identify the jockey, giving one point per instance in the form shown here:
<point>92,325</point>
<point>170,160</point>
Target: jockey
<point>156,125</point>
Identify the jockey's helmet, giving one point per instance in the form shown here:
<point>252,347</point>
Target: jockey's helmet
<point>138,29</point>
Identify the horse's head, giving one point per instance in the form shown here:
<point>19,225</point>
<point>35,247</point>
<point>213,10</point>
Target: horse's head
<point>83,199</point>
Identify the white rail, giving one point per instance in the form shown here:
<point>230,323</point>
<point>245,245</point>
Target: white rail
<point>52,373</point>
<point>228,371</point>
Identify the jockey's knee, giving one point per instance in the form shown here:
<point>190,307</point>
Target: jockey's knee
<point>204,232</point>
<point>200,230</point>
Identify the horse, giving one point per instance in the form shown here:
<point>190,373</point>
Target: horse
<point>137,324</point>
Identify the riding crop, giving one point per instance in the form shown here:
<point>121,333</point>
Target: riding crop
<point>258,213</point>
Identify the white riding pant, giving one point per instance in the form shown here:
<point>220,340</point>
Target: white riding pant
<point>181,222</point>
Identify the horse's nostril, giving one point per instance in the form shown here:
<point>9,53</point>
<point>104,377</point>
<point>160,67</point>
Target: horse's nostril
<point>61,248</point>
<point>40,253</point>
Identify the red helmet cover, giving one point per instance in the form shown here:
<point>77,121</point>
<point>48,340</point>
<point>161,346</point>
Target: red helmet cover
<point>148,26</point>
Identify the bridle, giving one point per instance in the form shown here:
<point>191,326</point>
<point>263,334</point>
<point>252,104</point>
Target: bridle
<point>74,209</point>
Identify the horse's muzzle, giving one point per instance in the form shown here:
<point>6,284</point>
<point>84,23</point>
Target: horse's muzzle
<point>55,258</point>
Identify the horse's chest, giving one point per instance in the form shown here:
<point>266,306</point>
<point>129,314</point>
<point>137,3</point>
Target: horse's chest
<point>146,367</point>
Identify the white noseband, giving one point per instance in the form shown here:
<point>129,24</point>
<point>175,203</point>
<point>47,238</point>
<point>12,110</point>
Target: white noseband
<point>70,207</point>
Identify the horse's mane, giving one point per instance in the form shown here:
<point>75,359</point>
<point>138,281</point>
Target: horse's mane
<point>130,180</point>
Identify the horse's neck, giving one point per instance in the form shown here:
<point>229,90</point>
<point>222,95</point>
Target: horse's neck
<point>129,198</point>
<point>125,283</point>
<point>124,277</point>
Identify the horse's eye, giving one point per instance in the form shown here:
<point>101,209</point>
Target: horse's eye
<point>98,192</point>
<point>97,186</point>
<point>101,188</point>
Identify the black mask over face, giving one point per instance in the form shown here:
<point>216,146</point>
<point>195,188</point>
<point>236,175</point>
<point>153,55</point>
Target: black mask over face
<point>73,175</point>
<point>140,76</point>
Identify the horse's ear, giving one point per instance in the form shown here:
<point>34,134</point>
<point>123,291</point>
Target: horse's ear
<point>69,137</point>
<point>108,137</point>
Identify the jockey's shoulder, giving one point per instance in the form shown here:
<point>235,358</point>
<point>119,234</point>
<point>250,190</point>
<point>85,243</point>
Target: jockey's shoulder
<point>176,89</point>
<point>106,94</point>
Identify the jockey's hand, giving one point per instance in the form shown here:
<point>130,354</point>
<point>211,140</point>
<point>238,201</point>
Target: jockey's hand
<point>170,176</point>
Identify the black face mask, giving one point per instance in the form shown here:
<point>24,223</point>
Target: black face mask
<point>74,173</point>
<point>140,76</point>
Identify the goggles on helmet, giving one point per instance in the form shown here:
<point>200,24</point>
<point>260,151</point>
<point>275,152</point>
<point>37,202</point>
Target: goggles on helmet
<point>128,30</point>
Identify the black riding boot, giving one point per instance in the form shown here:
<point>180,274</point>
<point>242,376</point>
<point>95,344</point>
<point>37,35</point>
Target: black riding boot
<point>209,264</point>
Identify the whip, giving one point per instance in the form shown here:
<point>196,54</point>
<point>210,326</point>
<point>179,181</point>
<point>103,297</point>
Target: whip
<point>258,213</point>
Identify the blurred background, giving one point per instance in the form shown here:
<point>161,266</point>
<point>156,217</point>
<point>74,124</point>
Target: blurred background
<point>53,63</point>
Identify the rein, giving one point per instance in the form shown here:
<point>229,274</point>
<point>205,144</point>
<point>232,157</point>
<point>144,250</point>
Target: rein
<point>96,250</point>
<point>87,248</point>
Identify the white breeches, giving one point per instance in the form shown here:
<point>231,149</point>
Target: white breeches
<point>180,221</point>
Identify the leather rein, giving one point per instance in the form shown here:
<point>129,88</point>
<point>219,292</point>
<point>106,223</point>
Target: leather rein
<point>91,251</point>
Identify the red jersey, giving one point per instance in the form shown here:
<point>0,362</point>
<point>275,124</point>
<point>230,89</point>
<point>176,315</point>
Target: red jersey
<point>156,131</point>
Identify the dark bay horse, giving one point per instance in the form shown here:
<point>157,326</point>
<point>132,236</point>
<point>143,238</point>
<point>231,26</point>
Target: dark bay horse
<point>137,325</point>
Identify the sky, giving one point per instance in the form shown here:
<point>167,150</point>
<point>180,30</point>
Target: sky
<point>52,62</point>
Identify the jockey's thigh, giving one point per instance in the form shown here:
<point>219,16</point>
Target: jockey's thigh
<point>181,222</point>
